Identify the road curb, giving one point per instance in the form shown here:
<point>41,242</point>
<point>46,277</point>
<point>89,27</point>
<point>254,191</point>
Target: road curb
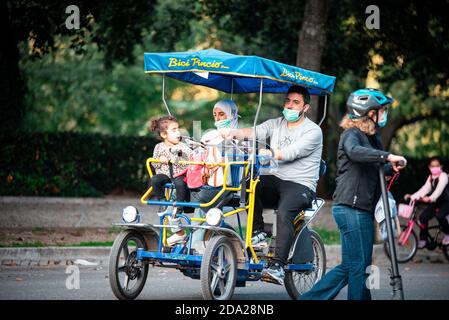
<point>100,255</point>
<point>52,255</point>
<point>68,255</point>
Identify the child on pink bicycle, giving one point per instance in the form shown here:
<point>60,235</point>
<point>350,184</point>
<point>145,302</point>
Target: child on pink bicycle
<point>435,192</point>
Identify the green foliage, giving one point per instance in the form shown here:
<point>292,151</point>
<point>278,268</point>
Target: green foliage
<point>91,80</point>
<point>39,244</point>
<point>266,28</point>
<point>329,236</point>
<point>70,93</point>
<point>113,26</point>
<point>73,165</point>
<point>32,244</point>
<point>420,119</point>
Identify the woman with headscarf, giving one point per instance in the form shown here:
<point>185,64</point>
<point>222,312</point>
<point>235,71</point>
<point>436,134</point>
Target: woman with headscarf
<point>225,113</point>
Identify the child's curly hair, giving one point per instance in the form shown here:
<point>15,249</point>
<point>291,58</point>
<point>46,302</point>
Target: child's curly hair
<point>161,124</point>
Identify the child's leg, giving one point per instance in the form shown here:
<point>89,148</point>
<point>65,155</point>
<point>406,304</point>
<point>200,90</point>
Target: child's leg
<point>182,195</point>
<point>158,182</point>
<point>182,191</point>
<point>423,220</point>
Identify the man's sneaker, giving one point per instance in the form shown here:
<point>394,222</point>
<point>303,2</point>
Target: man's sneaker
<point>274,274</point>
<point>176,238</point>
<point>260,245</point>
<point>422,244</point>
<point>258,236</point>
<point>445,241</point>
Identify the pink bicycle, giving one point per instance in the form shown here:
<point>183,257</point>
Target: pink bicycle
<point>407,241</point>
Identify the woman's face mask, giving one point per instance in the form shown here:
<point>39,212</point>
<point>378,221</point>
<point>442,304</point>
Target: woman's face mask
<point>220,124</point>
<point>383,119</point>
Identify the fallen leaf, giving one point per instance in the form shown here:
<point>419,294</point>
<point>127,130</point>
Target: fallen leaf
<point>85,262</point>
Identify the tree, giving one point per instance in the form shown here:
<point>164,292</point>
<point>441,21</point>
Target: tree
<point>412,43</point>
<point>114,27</point>
<point>312,40</point>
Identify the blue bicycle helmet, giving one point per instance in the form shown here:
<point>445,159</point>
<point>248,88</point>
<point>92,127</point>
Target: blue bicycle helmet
<point>364,100</point>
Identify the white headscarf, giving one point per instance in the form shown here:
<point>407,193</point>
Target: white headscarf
<point>230,108</point>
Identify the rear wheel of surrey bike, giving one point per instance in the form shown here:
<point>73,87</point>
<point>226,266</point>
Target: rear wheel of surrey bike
<point>218,269</point>
<point>127,275</point>
<point>405,248</point>
<point>299,282</point>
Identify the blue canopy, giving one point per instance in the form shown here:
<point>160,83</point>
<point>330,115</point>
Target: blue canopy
<point>234,73</point>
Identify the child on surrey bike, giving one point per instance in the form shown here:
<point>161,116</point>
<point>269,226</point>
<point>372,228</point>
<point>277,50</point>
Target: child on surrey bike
<point>435,192</point>
<point>167,129</point>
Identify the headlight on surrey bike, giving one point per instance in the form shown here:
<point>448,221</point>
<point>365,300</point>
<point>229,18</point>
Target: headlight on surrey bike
<point>214,217</point>
<point>130,215</point>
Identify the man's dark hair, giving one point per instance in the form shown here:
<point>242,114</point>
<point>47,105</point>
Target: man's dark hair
<point>302,91</point>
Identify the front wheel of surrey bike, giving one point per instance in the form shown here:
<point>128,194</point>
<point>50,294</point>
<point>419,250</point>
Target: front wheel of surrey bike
<point>406,246</point>
<point>127,275</point>
<point>299,282</point>
<point>218,269</point>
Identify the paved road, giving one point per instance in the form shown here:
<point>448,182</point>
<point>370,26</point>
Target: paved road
<point>421,281</point>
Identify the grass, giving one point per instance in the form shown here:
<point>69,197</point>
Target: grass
<point>89,244</point>
<point>38,244</point>
<point>114,230</point>
<point>34,244</point>
<point>328,236</point>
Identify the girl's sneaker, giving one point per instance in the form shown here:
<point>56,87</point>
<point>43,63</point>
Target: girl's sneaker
<point>176,238</point>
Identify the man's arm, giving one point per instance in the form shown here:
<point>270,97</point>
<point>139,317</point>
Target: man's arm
<point>240,134</point>
<point>262,131</point>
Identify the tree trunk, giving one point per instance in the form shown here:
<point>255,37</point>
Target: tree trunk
<point>12,88</point>
<point>312,38</point>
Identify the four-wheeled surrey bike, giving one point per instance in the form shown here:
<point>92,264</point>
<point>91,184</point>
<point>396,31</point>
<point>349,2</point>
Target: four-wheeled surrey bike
<point>225,257</point>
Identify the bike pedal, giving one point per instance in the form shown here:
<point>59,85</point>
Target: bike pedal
<point>267,278</point>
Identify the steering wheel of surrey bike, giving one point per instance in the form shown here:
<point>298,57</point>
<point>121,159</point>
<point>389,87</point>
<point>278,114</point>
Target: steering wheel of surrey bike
<point>238,148</point>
